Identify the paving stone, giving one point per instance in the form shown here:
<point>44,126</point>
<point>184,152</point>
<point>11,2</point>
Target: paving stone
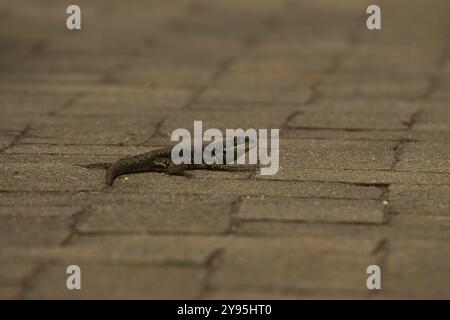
<point>437,223</point>
<point>397,227</point>
<point>13,273</point>
<point>248,295</point>
<point>80,160</point>
<point>10,292</point>
<point>374,91</point>
<point>92,130</point>
<point>168,75</point>
<point>165,51</point>
<point>148,183</point>
<point>68,63</point>
<point>73,150</point>
<point>346,134</point>
<point>35,198</point>
<point>6,140</point>
<point>392,62</point>
<point>51,78</point>
<point>126,249</point>
<point>34,232</point>
<point>291,86</point>
<point>334,154</point>
<point>425,157</point>
<point>354,115</point>
<point>355,134</point>
<point>420,199</point>
<point>96,198</point>
<point>252,106</point>
<point>156,198</point>
<point>18,212</point>
<point>17,104</point>
<point>374,177</point>
<point>223,119</point>
<point>48,177</point>
<point>169,217</point>
<point>417,269</point>
<point>277,267</point>
<point>434,118</point>
<point>284,46</point>
<point>120,282</point>
<point>256,94</point>
<point>152,103</point>
<point>312,210</point>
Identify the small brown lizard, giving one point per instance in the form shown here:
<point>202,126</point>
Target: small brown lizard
<point>160,161</point>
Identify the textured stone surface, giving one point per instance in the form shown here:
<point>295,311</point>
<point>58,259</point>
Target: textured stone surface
<point>314,210</point>
<point>131,282</point>
<point>364,149</point>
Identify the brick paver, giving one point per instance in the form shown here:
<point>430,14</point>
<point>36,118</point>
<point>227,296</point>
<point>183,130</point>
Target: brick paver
<point>364,149</point>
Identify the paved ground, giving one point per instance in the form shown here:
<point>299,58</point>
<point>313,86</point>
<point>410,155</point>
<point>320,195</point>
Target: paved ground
<point>365,157</point>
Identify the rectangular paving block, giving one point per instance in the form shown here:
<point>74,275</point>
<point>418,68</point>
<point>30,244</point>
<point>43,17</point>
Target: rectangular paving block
<point>374,91</point>
<point>374,177</point>
<point>40,212</point>
<point>10,292</point>
<point>345,134</point>
<point>425,200</point>
<point>333,155</point>
<point>151,182</point>
<point>291,84</point>
<point>152,103</point>
<point>23,103</point>
<point>417,269</point>
<point>255,94</point>
<point>124,249</point>
<point>12,273</point>
<point>167,75</point>
<point>294,229</point>
<point>96,198</point>
<point>92,129</point>
<point>174,217</point>
<point>356,134</point>
<point>69,63</point>
<point>48,177</point>
<point>434,118</point>
<point>32,232</point>
<point>425,157</point>
<point>6,139</point>
<point>355,115</point>
<point>81,160</point>
<point>284,45</point>
<point>300,265</point>
<point>422,223</point>
<point>279,66</point>
<point>119,282</point>
<point>267,118</point>
<point>311,210</point>
<point>73,150</point>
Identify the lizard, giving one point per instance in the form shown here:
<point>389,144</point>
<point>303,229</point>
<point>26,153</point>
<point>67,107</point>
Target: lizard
<point>160,161</point>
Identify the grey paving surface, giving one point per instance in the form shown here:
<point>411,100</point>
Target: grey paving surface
<point>365,149</point>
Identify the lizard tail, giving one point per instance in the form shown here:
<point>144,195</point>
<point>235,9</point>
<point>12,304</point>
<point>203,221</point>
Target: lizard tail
<point>133,164</point>
<point>115,170</point>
